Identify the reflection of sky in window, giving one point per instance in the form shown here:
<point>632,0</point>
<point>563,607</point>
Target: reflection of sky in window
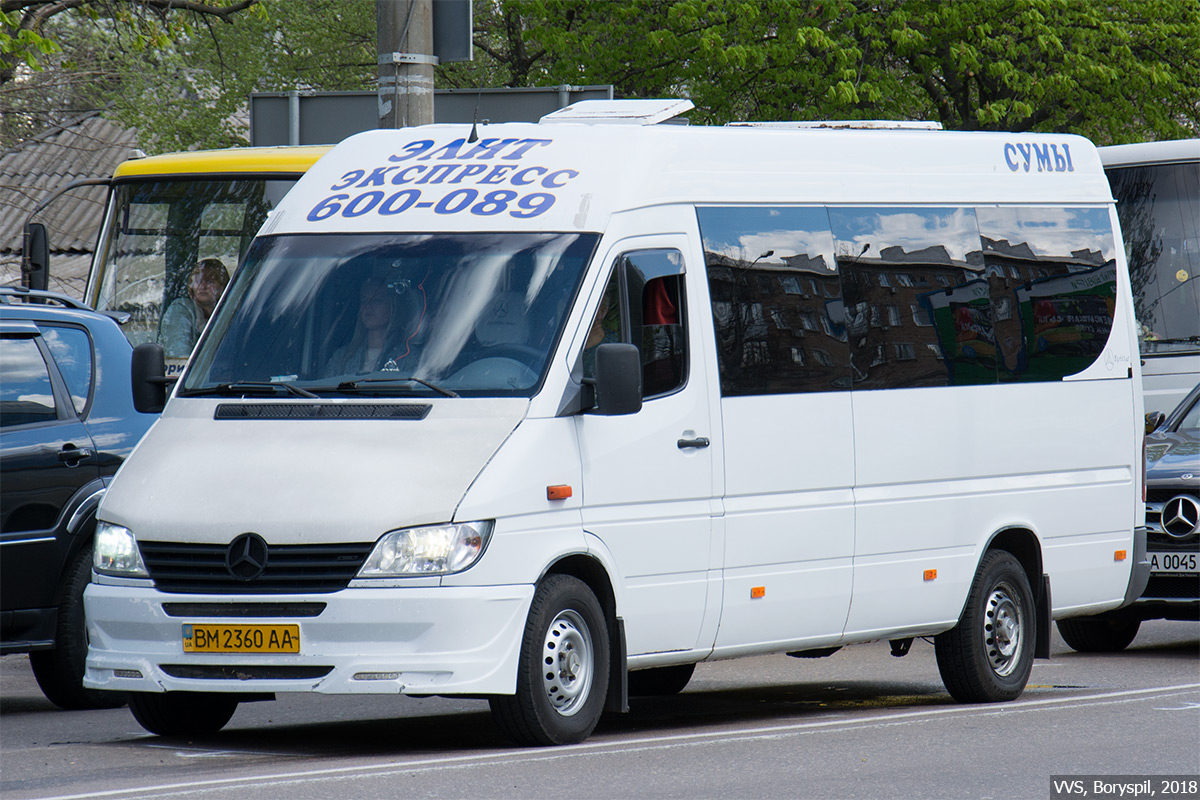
<point>745,233</point>
<point>1050,231</point>
<point>911,229</point>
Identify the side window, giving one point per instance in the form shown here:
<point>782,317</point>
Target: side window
<point>643,304</point>
<point>926,261</point>
<point>777,300</point>
<point>1057,268</point>
<point>26,393</point>
<point>72,351</point>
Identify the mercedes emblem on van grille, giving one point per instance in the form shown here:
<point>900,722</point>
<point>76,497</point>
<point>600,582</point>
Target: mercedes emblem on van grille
<point>246,558</point>
<point>1180,516</point>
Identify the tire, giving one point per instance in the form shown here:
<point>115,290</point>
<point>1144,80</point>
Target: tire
<point>59,672</point>
<point>660,681</point>
<point>562,674</point>
<point>182,713</point>
<point>1098,635</point>
<point>987,657</point>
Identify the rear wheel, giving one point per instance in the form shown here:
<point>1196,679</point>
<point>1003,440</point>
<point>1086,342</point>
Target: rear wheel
<point>987,657</point>
<point>59,672</point>
<point>562,676</point>
<point>1098,635</point>
<point>660,681</point>
<point>182,713</point>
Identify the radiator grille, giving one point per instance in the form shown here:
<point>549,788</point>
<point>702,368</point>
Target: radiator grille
<point>293,568</point>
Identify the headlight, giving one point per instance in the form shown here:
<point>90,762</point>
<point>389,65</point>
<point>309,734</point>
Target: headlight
<point>429,550</point>
<point>116,552</point>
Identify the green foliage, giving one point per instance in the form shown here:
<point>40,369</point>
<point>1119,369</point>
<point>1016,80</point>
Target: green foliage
<point>1117,71</point>
<point>194,93</point>
<point>1123,70</point>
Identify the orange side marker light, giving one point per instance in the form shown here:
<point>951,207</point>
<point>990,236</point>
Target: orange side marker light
<point>558,492</point>
<point>1119,555</point>
<point>930,574</point>
<point>757,592</point>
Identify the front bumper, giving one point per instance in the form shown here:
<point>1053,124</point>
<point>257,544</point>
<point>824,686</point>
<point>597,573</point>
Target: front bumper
<point>430,640</point>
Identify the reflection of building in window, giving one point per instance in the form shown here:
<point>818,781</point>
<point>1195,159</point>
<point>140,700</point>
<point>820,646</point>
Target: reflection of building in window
<point>797,356</point>
<point>905,351</point>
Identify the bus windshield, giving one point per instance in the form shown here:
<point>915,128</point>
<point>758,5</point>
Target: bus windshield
<point>169,247</point>
<point>1160,219</point>
<point>475,314</point>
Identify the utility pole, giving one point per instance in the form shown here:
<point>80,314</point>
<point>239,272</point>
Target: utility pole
<point>404,35</point>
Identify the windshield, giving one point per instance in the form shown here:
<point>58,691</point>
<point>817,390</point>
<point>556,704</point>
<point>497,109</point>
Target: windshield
<point>168,250</point>
<point>1159,207</point>
<point>393,314</point>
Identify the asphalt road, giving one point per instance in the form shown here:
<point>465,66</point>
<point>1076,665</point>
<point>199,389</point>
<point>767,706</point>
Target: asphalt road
<point>859,724</point>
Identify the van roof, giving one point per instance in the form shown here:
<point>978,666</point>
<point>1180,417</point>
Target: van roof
<point>294,160</point>
<point>574,175</point>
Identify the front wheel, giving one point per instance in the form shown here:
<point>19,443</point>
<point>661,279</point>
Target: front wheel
<point>562,675</point>
<point>987,657</point>
<point>182,713</point>
<point>1098,635</point>
<point>59,672</point>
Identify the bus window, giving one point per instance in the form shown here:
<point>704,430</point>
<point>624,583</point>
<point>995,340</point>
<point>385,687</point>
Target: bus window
<point>159,230</point>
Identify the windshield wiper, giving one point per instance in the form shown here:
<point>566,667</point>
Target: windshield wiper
<point>250,387</point>
<point>347,386</point>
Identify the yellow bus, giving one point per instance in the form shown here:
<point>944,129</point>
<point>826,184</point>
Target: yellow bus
<point>166,215</point>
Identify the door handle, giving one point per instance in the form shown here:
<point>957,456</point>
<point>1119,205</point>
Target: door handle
<point>699,441</point>
<point>73,455</point>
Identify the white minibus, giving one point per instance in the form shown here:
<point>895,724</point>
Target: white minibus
<point>550,413</point>
<point>1157,187</point>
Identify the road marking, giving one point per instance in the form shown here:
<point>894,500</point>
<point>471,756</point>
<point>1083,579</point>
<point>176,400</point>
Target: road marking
<point>622,746</point>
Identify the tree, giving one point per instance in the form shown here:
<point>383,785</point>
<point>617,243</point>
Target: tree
<point>1116,71</point>
<point>1123,70</point>
<point>194,93</point>
<point>152,21</point>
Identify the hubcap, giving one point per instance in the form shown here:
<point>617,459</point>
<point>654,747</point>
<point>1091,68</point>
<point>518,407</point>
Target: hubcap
<point>1002,630</point>
<point>567,658</point>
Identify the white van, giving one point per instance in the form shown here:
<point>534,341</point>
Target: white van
<point>549,413</point>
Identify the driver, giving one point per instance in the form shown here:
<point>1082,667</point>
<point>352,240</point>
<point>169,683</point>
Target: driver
<point>383,320</point>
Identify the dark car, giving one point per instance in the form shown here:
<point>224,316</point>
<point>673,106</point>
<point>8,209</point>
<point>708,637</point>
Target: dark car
<point>1172,541</point>
<point>67,422</point>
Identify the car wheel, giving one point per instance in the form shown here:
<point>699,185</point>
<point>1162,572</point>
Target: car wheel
<point>987,657</point>
<point>1098,635</point>
<point>660,681</point>
<point>562,675</point>
<point>59,672</point>
<point>182,713</point>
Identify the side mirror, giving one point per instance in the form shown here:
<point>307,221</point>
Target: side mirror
<point>148,378</point>
<point>35,268</point>
<point>618,382</point>
<point>1153,420</point>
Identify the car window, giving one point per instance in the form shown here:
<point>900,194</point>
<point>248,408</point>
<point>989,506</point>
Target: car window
<point>1191,420</point>
<point>26,394</point>
<point>72,351</point>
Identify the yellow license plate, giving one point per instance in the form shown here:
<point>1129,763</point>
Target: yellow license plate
<point>241,638</point>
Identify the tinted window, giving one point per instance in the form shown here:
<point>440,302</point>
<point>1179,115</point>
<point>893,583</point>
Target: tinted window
<point>1053,273</point>
<point>26,394</point>
<point>1159,207</point>
<point>72,351</point>
<point>776,300</point>
<point>917,311</point>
